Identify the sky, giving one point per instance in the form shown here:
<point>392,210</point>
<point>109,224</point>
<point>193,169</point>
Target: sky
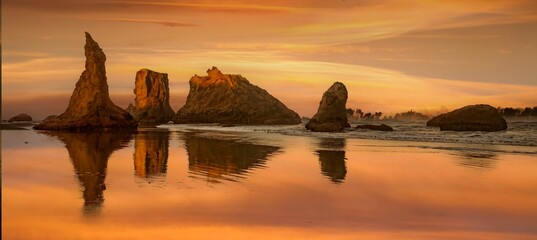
<point>393,55</point>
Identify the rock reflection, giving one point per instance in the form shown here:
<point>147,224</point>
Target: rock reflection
<point>219,159</point>
<point>151,154</point>
<point>477,160</point>
<point>332,158</point>
<point>89,153</point>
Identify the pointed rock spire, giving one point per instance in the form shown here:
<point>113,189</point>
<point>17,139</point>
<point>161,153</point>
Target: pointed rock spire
<point>90,106</point>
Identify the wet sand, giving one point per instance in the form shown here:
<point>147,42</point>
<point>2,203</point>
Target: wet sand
<point>225,185</point>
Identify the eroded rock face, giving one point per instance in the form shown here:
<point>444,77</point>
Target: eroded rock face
<point>23,117</point>
<point>90,106</point>
<point>479,117</point>
<point>381,127</point>
<point>331,115</point>
<point>152,102</point>
<point>231,99</point>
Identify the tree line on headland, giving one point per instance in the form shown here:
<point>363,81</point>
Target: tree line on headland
<point>358,114</point>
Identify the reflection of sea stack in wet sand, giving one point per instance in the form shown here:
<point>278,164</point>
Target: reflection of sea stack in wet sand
<point>231,99</point>
<point>216,159</point>
<point>89,153</point>
<point>90,106</point>
<point>150,153</point>
<point>152,102</point>
<point>332,159</point>
<point>479,117</point>
<point>331,115</point>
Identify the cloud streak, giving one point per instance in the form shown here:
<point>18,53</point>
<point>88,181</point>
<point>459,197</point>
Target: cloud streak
<point>145,21</point>
<point>218,7</point>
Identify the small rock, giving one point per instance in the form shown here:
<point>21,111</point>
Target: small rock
<point>23,117</point>
<point>381,127</point>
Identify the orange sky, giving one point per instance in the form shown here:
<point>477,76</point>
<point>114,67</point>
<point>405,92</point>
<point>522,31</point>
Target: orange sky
<point>392,55</point>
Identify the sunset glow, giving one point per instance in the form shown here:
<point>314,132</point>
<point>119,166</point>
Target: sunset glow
<point>393,56</point>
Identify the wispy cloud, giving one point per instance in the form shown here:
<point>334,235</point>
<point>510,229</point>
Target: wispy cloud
<point>149,21</point>
<point>219,7</point>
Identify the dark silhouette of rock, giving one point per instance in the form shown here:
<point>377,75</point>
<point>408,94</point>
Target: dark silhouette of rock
<point>89,153</point>
<point>90,106</point>
<point>222,159</point>
<point>479,117</point>
<point>51,117</point>
<point>332,159</point>
<point>152,102</point>
<point>231,99</point>
<point>331,115</point>
<point>23,117</point>
<point>435,122</point>
<point>381,127</point>
<point>151,153</point>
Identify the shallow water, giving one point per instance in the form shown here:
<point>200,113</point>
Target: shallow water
<point>520,132</point>
<point>192,182</point>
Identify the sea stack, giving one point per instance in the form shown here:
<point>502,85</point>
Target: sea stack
<point>231,99</point>
<point>90,107</point>
<point>152,102</point>
<point>331,115</point>
<point>479,117</point>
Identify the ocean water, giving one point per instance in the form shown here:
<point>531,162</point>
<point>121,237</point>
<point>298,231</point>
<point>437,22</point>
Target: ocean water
<point>520,132</point>
<point>270,182</point>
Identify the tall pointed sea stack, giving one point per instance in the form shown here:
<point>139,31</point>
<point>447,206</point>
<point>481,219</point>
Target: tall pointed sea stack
<point>331,115</point>
<point>90,107</point>
<point>231,99</point>
<point>152,102</point>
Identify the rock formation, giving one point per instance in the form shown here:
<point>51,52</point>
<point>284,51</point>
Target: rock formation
<point>90,106</point>
<point>381,127</point>
<point>331,115</point>
<point>23,117</point>
<point>152,102</point>
<point>479,117</point>
<point>231,99</point>
<point>435,122</point>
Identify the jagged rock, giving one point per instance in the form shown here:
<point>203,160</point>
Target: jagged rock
<point>90,106</point>
<point>381,127</point>
<point>231,99</point>
<point>479,117</point>
<point>152,102</point>
<point>23,117</point>
<point>331,115</point>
